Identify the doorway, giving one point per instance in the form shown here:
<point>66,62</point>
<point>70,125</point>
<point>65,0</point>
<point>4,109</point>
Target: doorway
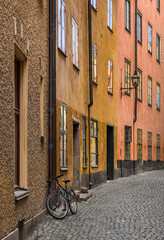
<point>76,154</point>
<point>110,152</point>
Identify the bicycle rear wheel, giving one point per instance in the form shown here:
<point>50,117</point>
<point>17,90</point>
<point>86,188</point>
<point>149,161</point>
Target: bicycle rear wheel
<point>57,205</point>
<point>72,201</point>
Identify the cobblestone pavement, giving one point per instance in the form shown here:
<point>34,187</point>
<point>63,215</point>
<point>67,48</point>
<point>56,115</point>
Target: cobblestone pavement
<point>124,209</point>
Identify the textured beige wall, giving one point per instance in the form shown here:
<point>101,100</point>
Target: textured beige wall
<point>34,17</point>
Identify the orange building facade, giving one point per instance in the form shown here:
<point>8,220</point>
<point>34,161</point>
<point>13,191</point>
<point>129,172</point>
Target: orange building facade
<point>140,139</point>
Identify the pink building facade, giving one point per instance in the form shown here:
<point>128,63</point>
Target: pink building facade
<point>140,141</point>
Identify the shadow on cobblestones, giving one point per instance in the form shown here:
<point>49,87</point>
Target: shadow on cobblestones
<point>123,209</point>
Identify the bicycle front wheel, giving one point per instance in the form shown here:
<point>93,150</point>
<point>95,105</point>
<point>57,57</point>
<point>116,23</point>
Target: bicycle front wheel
<point>72,201</point>
<point>57,205</point>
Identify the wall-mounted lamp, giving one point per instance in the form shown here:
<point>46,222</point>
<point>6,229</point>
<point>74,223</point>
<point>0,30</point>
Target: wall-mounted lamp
<point>135,83</point>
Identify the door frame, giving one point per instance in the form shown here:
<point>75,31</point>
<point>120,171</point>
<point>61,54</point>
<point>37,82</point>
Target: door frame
<point>111,126</point>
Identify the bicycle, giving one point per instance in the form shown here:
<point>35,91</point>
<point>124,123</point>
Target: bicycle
<point>60,201</point>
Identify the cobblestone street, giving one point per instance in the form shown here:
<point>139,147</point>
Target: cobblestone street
<point>124,209</point>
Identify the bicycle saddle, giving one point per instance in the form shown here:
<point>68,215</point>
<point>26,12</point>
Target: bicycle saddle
<point>66,180</point>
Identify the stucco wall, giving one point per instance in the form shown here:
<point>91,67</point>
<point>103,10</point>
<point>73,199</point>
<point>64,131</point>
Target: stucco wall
<point>34,17</point>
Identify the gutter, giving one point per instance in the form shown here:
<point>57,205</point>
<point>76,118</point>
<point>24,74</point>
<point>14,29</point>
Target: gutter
<point>135,106</point>
<point>90,83</point>
<point>52,91</point>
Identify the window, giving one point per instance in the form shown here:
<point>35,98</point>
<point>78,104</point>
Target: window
<point>128,139</point>
<point>110,76</point>
<point>61,25</point>
<point>158,5</point>
<point>139,27</point>
<point>158,96</point>
<point>139,144</point>
<point>94,143</point>
<point>84,141</point>
<point>139,87</point>
<point>127,77</point>
<point>149,91</point>
<point>149,38</point>
<point>127,15</point>
<point>94,63</point>
<point>109,14</point>
<point>149,146</point>
<point>158,147</point>
<point>17,121</point>
<point>75,43</point>
<point>63,135</point>
<point>20,112</point>
<point>93,3</point>
<point>158,48</point>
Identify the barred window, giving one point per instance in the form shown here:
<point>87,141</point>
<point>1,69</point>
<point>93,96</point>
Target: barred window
<point>61,25</point>
<point>149,38</point>
<point>110,76</point>
<point>84,140</point>
<point>149,91</point>
<point>63,135</point>
<point>139,144</point>
<point>128,139</point>
<point>109,14</point>
<point>127,76</point>
<point>149,146</point>
<point>158,147</point>
<point>94,63</point>
<point>158,96</point>
<point>139,87</point>
<point>94,143</point>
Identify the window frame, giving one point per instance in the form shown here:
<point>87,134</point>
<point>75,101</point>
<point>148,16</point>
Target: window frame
<point>110,14</point>
<point>158,93</point>
<point>128,139</point>
<point>139,15</point>
<point>75,43</point>
<point>128,74</point>
<point>110,77</point>
<point>151,43</point>
<point>128,28</point>
<point>63,132</point>
<point>149,91</point>
<point>94,63</point>
<point>158,5</point>
<point>149,144</point>
<point>94,136</point>
<point>84,141</point>
<point>158,45</point>
<point>139,87</point>
<point>139,144</point>
<point>61,45</point>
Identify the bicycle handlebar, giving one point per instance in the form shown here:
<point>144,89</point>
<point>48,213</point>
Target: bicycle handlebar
<point>55,178</point>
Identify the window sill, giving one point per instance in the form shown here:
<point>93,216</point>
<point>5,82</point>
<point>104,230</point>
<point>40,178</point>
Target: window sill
<point>158,61</point>
<point>94,166</point>
<point>61,51</point>
<point>150,52</point>
<point>84,167</point>
<point>76,67</point>
<point>20,193</point>
<point>139,100</point>
<point>139,42</point>
<point>150,105</point>
<point>111,30</point>
<point>128,30</point>
<point>158,109</point>
<point>95,9</point>
<point>110,93</point>
<point>94,82</point>
<point>64,169</point>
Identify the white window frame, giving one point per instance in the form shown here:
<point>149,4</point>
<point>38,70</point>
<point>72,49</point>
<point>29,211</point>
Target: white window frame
<point>61,25</point>
<point>75,47</point>
<point>110,14</point>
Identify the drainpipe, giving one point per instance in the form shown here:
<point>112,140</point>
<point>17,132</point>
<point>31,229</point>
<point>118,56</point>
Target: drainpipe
<point>52,90</point>
<point>135,106</point>
<point>90,83</point>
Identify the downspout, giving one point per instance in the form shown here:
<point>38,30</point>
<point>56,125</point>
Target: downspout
<point>52,90</point>
<point>90,83</point>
